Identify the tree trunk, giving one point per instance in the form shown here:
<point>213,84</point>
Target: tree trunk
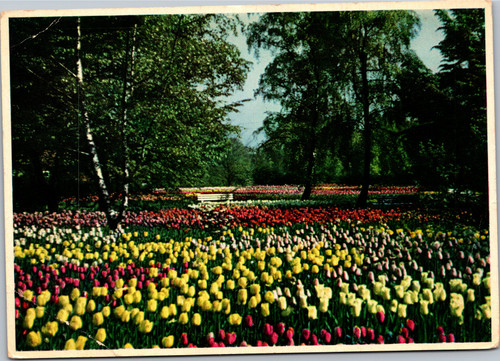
<point>367,134</point>
<point>311,158</point>
<point>309,172</point>
<point>128,91</point>
<point>96,164</point>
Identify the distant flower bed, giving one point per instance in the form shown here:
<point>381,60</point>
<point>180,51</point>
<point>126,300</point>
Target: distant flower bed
<point>283,190</point>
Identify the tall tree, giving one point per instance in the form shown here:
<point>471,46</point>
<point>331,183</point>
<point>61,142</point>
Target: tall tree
<point>148,91</point>
<point>301,78</point>
<point>375,43</point>
<point>463,81</point>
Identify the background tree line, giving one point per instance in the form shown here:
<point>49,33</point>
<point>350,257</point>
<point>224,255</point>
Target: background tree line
<point>357,105</point>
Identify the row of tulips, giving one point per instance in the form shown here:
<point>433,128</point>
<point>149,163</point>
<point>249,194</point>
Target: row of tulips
<point>316,278</point>
<point>321,189</point>
<point>223,215</point>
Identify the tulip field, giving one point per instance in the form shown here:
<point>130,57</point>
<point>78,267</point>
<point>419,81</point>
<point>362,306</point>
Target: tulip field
<point>234,275</point>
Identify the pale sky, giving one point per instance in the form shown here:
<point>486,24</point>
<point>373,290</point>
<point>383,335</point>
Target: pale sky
<point>252,113</point>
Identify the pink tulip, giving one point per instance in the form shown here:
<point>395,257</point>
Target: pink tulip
<point>280,328</point>
<point>306,334</point>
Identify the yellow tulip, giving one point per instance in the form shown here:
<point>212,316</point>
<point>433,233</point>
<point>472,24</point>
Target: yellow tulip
<point>81,304</point>
<point>196,319</point>
<point>424,307</point>
<point>312,312</point>
<point>62,315</point>
<point>145,326</point>
<point>172,309</point>
<point>100,335</point>
<point>152,305</point>
<point>29,319</point>
<point>183,318</point>
<point>91,306</point>
<point>80,342</point>
<point>28,295</point>
<point>75,323</point>
<point>97,319</point>
<point>264,309</point>
<point>70,345</point>
<point>75,294</point>
<point>50,328</point>
<point>125,316</point>
<point>242,296</point>
<point>168,341</point>
<point>235,319</point>
<point>139,317</point>
<point>34,339</point>
<point>402,310</point>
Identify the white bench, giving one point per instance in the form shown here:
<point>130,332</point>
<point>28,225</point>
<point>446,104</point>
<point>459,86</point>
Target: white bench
<point>211,197</point>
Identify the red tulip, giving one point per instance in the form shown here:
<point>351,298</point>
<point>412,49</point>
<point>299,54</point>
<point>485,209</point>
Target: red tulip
<point>314,339</point>
<point>363,331</point>
<point>451,337</point>
<point>380,339</point>
<point>410,324</point>
<point>268,329</point>
<point>230,338</point>
<point>306,333</point>
<point>327,337</point>
<point>442,338</point>
<point>381,317</point>
<point>440,330</point>
<point>401,339</point>
<point>338,332</point>
<point>222,334</point>
<point>273,338</point>
<point>249,321</point>
<point>371,334</point>
<point>357,332</point>
<point>184,339</point>
<point>405,332</point>
<point>289,334</point>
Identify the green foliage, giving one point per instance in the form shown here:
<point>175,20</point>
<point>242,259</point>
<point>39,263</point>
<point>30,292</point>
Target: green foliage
<point>233,167</point>
<point>176,68</point>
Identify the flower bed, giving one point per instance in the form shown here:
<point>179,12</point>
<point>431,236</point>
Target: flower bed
<point>258,276</point>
